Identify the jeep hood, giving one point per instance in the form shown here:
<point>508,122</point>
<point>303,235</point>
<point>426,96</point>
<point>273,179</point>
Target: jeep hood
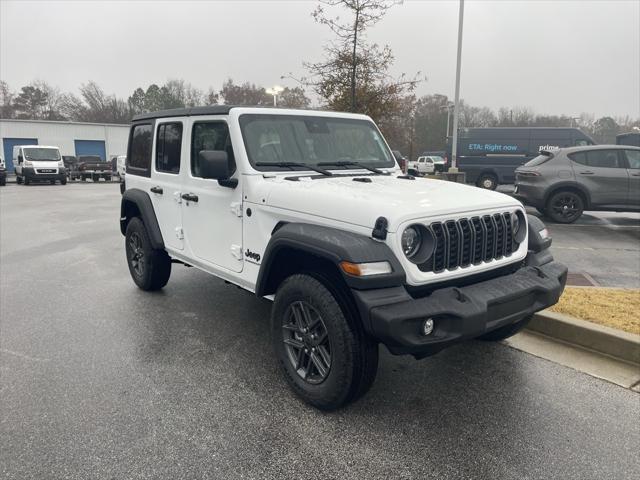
<point>346,199</point>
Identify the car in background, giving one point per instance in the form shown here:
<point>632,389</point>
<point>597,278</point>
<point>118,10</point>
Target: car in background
<point>563,183</point>
<point>121,161</point>
<point>38,163</point>
<point>490,156</point>
<point>3,173</point>
<point>423,166</point>
<point>631,139</point>
<point>93,167</point>
<point>71,165</point>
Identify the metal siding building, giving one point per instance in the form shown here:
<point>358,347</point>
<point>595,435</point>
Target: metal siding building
<point>73,138</point>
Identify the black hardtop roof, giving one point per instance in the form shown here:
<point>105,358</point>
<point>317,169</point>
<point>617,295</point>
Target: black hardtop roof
<point>186,112</point>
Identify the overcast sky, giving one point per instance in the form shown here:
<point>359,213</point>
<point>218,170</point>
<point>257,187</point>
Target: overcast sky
<point>554,56</point>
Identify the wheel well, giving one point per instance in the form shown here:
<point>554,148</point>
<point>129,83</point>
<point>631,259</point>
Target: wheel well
<point>489,173</point>
<point>568,188</point>
<point>127,212</point>
<point>289,261</point>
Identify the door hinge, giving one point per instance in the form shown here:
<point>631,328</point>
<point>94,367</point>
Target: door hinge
<point>236,251</point>
<point>179,233</point>
<point>236,209</point>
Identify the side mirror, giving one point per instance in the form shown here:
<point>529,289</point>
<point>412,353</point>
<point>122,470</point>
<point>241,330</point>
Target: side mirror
<point>20,159</point>
<point>214,164</point>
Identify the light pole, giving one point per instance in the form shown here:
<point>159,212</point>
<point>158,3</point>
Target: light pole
<point>456,108</point>
<point>275,90</point>
<point>448,108</point>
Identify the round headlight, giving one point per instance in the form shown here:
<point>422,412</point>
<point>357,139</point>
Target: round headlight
<point>518,226</point>
<point>515,223</point>
<point>411,241</point>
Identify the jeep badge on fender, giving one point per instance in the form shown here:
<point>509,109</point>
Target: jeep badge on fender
<point>353,253</point>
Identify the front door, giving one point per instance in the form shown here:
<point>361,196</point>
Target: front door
<point>211,213</point>
<point>603,174</point>
<point>165,185</point>
<point>633,160</point>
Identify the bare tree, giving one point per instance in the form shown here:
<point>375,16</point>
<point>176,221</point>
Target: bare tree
<point>6,100</point>
<point>350,33</point>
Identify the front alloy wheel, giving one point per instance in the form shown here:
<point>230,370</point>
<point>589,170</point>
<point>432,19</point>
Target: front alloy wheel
<point>136,254</point>
<point>306,342</point>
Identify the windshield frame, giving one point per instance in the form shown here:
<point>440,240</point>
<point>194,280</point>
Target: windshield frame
<point>31,159</point>
<point>245,118</point>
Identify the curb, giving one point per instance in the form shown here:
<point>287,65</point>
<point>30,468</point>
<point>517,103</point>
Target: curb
<point>622,345</point>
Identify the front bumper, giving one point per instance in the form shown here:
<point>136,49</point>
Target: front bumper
<point>37,174</point>
<point>395,318</point>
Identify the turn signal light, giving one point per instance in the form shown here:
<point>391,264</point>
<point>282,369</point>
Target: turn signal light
<point>365,269</point>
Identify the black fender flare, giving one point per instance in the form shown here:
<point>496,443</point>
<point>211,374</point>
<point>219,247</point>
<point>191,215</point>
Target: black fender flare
<point>335,246</point>
<point>142,202</point>
<point>571,185</point>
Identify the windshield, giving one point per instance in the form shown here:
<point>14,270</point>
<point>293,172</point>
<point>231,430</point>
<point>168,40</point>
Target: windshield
<point>311,141</point>
<point>42,154</point>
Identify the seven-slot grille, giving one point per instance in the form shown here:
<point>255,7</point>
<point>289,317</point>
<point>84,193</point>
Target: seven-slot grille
<point>470,241</point>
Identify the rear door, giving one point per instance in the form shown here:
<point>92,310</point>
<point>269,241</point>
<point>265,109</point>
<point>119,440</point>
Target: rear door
<point>164,189</point>
<point>211,213</point>
<point>604,174</point>
<point>633,164</point>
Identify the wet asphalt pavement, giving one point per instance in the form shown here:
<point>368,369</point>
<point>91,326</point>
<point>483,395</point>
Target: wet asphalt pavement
<point>101,380</point>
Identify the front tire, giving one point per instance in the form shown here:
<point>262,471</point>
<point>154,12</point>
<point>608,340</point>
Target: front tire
<point>150,268</point>
<point>63,181</point>
<point>27,180</point>
<point>18,179</point>
<point>326,358</point>
<point>565,207</point>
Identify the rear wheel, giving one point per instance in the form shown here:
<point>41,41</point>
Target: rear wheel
<point>565,207</point>
<point>150,268</point>
<point>506,331</point>
<point>18,179</point>
<point>326,358</point>
<point>27,180</point>
<point>96,178</point>
<point>488,181</point>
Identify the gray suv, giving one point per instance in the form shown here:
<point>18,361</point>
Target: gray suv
<point>563,183</point>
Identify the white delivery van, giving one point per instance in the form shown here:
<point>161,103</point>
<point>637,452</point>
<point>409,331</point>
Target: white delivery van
<point>38,163</point>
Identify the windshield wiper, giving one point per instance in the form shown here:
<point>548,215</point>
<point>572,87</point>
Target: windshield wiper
<point>291,165</point>
<point>345,163</point>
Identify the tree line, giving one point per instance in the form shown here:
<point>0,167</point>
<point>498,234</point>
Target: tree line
<point>353,75</point>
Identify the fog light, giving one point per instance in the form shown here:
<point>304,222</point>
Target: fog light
<point>427,327</point>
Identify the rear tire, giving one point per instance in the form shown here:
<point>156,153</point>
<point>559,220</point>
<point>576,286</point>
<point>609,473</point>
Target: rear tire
<point>487,181</point>
<point>150,268</point>
<point>18,179</point>
<point>342,367</point>
<point>506,331</point>
<point>27,180</point>
<point>565,207</point>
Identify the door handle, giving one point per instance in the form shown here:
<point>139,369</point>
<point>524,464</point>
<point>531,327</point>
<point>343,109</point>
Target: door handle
<point>588,172</point>
<point>157,190</point>
<point>189,197</point>
<point>635,174</point>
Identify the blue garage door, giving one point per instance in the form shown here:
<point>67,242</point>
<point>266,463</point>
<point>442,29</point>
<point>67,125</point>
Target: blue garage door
<point>9,143</point>
<point>91,147</point>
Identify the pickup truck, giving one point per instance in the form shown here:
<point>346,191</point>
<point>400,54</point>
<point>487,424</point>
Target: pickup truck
<point>93,167</point>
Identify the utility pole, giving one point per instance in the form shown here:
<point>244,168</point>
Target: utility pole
<point>456,108</point>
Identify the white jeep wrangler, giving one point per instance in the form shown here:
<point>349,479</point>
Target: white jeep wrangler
<point>309,209</point>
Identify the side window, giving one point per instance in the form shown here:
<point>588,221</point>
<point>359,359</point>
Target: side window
<point>603,159</point>
<point>139,158</point>
<point>598,158</point>
<point>633,157</point>
<point>210,136</point>
<point>168,146</point>
<point>581,143</point>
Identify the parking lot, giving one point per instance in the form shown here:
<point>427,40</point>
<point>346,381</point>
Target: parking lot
<point>102,380</point>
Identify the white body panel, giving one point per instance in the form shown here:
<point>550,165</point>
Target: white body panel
<point>217,227</point>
